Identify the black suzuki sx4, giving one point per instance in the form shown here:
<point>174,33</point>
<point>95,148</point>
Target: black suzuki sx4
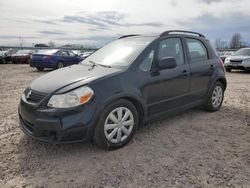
<point>122,86</point>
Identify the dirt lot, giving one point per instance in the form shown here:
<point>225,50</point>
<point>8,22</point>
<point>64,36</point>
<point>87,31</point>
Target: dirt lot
<point>192,149</point>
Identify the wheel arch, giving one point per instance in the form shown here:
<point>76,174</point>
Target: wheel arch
<point>139,107</point>
<point>223,81</point>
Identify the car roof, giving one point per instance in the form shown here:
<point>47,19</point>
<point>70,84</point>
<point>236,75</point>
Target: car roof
<point>171,32</point>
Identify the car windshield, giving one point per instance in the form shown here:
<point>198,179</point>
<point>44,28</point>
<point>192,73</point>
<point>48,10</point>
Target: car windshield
<point>119,53</point>
<point>243,52</point>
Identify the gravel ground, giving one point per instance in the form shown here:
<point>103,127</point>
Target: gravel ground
<point>192,149</point>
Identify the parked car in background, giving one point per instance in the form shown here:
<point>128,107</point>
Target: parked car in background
<point>84,55</point>
<point>128,82</point>
<point>55,59</point>
<point>21,56</point>
<point>225,54</point>
<point>5,56</point>
<point>41,45</point>
<point>239,60</point>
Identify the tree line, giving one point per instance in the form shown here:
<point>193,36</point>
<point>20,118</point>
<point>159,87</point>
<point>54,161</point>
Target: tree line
<point>236,42</point>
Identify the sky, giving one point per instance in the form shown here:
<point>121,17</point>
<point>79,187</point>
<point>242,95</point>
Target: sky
<point>96,22</point>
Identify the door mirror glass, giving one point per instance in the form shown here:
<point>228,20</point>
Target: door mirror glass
<point>167,63</point>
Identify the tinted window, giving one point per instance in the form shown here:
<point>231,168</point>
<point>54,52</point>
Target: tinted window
<point>197,50</point>
<point>147,62</point>
<point>172,47</point>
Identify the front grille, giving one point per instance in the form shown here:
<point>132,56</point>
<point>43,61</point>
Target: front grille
<point>33,96</point>
<point>236,61</point>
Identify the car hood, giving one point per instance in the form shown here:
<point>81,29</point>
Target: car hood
<point>239,58</point>
<point>75,76</point>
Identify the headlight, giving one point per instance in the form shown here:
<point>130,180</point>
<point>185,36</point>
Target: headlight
<point>227,60</point>
<point>246,61</point>
<point>71,99</point>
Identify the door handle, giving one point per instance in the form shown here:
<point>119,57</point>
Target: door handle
<point>212,67</point>
<point>184,72</point>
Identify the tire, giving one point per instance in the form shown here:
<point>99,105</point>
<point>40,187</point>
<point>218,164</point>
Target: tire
<point>40,68</point>
<point>107,127</point>
<point>216,94</point>
<point>228,69</point>
<point>60,65</point>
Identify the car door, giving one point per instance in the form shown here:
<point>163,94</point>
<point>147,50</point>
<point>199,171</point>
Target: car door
<point>201,68</point>
<point>73,58</point>
<point>63,56</point>
<point>165,89</point>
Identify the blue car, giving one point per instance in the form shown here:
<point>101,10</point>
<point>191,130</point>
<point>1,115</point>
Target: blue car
<point>55,59</point>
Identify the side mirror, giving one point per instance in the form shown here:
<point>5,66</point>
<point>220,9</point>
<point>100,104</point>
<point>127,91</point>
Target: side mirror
<point>167,63</point>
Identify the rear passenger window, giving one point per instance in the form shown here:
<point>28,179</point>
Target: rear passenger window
<point>172,47</point>
<point>197,50</point>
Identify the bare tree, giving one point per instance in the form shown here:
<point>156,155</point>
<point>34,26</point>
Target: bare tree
<point>21,40</point>
<point>52,44</point>
<point>236,41</point>
<point>218,43</point>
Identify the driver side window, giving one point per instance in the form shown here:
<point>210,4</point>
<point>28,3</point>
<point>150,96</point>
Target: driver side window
<point>172,47</point>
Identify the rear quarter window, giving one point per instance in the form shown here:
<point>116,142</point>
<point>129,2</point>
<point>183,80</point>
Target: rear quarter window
<point>197,50</point>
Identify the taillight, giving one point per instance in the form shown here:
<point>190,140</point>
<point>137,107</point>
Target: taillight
<point>221,63</point>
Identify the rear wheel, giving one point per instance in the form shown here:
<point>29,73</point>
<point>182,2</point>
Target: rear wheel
<point>40,68</point>
<point>215,98</point>
<point>228,69</point>
<point>60,65</point>
<point>117,125</point>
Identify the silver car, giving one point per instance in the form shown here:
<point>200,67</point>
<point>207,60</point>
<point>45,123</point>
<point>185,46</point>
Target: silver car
<point>239,60</point>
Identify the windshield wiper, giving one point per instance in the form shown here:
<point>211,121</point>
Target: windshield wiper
<point>95,64</point>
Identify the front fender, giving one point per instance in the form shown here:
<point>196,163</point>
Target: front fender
<point>131,97</point>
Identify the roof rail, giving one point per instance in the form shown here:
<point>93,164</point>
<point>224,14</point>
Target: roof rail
<point>181,31</point>
<point>125,36</point>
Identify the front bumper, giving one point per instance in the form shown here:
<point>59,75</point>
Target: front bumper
<point>55,125</point>
<point>240,65</point>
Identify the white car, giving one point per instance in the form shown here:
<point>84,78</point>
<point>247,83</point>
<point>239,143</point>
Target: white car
<point>239,60</point>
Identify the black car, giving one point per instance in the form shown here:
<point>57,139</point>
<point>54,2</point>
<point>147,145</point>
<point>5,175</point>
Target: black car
<point>127,83</point>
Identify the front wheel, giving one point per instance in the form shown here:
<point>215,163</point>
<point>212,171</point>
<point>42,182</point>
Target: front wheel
<point>60,65</point>
<point>40,68</point>
<point>228,69</point>
<point>117,125</point>
<point>215,98</point>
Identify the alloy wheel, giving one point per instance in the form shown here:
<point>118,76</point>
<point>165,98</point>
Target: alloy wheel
<point>60,65</point>
<point>217,96</point>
